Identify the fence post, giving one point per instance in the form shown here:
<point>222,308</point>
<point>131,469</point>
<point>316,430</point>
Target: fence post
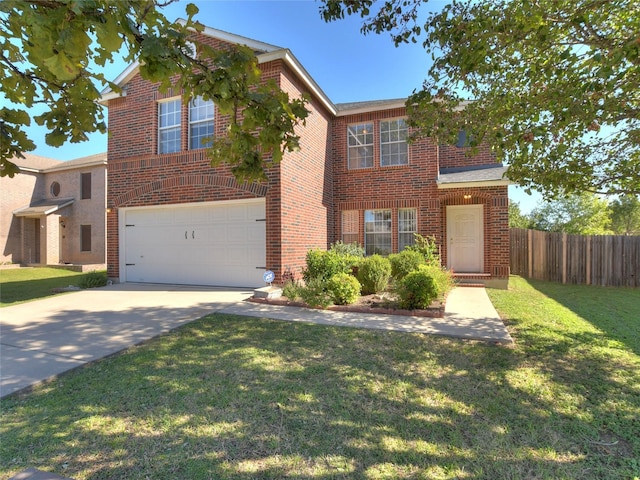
<point>564,258</point>
<point>530,253</point>
<point>588,255</point>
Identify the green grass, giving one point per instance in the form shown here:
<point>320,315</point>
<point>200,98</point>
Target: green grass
<point>233,397</point>
<point>18,285</point>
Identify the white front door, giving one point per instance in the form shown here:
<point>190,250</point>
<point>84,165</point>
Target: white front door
<point>465,238</point>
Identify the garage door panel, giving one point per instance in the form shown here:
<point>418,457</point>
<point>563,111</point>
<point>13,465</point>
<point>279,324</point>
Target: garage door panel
<point>209,244</point>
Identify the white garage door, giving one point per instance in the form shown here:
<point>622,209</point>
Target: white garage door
<point>218,243</point>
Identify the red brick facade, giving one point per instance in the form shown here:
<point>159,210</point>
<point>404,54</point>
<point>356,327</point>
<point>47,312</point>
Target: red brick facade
<point>307,193</point>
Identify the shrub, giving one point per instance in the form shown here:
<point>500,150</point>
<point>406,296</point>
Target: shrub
<point>427,247</point>
<point>347,249</point>
<point>374,273</point>
<point>315,294</point>
<point>291,290</point>
<point>421,287</point>
<point>417,290</point>
<point>93,280</point>
<point>343,288</point>
<point>443,278</point>
<point>405,262</point>
<point>323,265</point>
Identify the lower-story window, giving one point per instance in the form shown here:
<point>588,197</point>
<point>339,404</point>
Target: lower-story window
<point>350,226</point>
<point>85,238</point>
<point>407,227</point>
<point>377,232</point>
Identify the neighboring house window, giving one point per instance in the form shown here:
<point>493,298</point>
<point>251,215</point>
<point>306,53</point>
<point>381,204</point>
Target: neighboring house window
<point>200,123</point>
<point>169,126</point>
<point>393,143</point>
<point>350,226</point>
<point>85,238</point>
<point>377,232</point>
<point>360,142</point>
<point>55,189</point>
<point>85,186</point>
<point>407,224</point>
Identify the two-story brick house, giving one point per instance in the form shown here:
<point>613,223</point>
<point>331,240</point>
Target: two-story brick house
<point>172,218</point>
<point>53,212</point>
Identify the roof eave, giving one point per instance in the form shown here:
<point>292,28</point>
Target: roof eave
<point>288,57</point>
<point>373,108</point>
<point>484,183</point>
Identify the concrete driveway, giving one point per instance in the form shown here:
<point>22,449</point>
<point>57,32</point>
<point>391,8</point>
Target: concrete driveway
<point>41,339</point>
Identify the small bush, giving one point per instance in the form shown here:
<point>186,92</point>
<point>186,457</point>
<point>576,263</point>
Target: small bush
<point>405,262</point>
<point>343,288</point>
<point>417,290</point>
<point>291,290</point>
<point>421,287</point>
<point>315,294</point>
<point>93,280</point>
<point>443,278</point>
<point>374,273</point>
<point>323,265</point>
<point>347,249</point>
<point>428,248</point>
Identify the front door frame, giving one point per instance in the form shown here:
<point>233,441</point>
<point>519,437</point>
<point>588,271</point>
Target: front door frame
<point>452,261</point>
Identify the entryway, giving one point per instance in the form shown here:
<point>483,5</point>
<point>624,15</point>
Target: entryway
<point>465,238</point>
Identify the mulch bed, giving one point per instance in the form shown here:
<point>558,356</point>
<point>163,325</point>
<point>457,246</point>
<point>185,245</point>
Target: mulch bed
<point>366,304</point>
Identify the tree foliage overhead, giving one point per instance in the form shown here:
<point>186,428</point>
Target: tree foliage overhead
<point>555,84</point>
<point>583,214</point>
<point>625,215</point>
<point>53,53</point>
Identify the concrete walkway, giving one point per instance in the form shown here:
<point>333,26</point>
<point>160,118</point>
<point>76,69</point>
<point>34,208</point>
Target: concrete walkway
<point>42,339</point>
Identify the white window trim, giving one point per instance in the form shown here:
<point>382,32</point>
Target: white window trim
<point>390,232</point>
<point>387,120</point>
<point>172,127</point>
<point>197,122</point>
<point>372,144</point>
<point>415,219</point>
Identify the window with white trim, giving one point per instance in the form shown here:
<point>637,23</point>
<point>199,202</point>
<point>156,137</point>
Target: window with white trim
<point>200,123</point>
<point>169,114</point>
<point>360,143</point>
<point>377,232</point>
<point>350,226</point>
<point>407,227</point>
<point>393,142</point>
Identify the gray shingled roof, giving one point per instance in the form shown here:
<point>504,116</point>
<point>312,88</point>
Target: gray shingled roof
<point>492,174</point>
<point>371,104</point>
<point>43,207</point>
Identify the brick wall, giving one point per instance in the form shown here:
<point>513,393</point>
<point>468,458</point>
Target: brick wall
<point>15,193</point>
<point>414,186</point>
<point>391,187</point>
<point>297,208</point>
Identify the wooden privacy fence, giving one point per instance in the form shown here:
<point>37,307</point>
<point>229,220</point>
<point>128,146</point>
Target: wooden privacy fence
<point>607,260</point>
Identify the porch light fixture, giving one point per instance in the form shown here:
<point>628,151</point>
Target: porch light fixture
<point>109,210</point>
<point>467,197</point>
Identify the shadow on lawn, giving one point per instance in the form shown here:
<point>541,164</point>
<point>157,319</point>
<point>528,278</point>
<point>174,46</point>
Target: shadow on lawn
<point>613,310</point>
<point>231,397</point>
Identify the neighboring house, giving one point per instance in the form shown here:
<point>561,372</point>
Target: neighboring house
<point>53,212</point>
<point>175,219</point>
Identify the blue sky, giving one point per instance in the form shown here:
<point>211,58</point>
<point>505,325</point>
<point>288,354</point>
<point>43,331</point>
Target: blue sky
<point>346,64</point>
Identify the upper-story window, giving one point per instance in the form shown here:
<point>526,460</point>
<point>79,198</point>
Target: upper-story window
<point>85,186</point>
<point>200,123</point>
<point>393,142</point>
<point>169,114</point>
<point>360,141</point>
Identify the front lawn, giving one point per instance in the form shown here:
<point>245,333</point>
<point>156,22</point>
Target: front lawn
<point>234,397</point>
<point>19,285</point>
